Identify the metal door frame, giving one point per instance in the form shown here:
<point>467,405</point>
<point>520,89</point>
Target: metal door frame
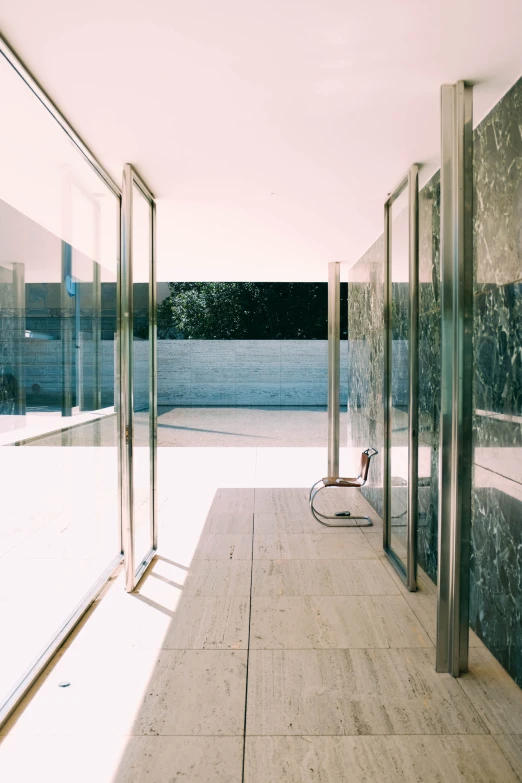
<point>408,573</point>
<point>134,573</point>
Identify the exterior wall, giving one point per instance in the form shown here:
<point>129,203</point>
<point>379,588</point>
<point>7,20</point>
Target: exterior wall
<point>246,372</point>
<point>496,539</point>
<point>496,561</point>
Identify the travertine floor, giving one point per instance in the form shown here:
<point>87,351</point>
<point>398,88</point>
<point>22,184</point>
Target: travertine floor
<point>275,650</point>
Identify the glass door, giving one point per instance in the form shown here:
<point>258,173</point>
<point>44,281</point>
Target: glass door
<point>401,378</point>
<point>138,374</point>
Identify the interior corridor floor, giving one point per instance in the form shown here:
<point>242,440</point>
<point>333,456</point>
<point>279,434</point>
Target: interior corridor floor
<point>276,651</point>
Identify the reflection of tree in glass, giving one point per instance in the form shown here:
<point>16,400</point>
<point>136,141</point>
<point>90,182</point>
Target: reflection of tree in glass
<point>400,311</point>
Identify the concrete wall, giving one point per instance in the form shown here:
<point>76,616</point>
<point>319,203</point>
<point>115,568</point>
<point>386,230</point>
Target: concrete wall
<point>218,372</point>
<point>246,372</point>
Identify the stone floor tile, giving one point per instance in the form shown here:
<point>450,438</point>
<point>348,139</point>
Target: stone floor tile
<point>495,696</point>
<point>321,577</point>
<point>335,692</point>
<point>218,578</point>
<point>387,759</point>
<point>235,522</point>
<point>316,622</point>
<point>122,759</point>
<point>209,624</point>
<point>195,692</point>
<point>511,746</point>
<point>284,546</point>
<point>224,547</point>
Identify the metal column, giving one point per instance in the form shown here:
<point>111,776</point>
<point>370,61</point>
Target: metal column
<point>125,366</point>
<point>413,379</point>
<point>334,365</point>
<point>19,308</point>
<point>455,456</point>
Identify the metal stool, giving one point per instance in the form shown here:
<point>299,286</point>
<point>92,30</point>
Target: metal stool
<point>336,481</point>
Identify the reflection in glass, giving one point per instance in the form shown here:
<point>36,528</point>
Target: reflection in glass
<point>58,256</point>
<point>141,375</point>
<point>399,259</point>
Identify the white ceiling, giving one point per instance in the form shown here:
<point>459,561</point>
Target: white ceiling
<point>269,130</point>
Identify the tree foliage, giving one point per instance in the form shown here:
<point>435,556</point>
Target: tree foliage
<point>246,311</point>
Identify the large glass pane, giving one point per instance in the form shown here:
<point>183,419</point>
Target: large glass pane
<point>141,375</point>
<point>399,259</point>
<point>58,259</point>
<point>429,374</point>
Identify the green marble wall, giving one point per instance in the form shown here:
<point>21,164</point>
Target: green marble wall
<point>496,553</point>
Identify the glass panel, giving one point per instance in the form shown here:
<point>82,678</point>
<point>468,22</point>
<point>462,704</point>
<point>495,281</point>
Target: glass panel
<point>429,374</point>
<point>141,373</point>
<point>58,256</point>
<point>399,377</point>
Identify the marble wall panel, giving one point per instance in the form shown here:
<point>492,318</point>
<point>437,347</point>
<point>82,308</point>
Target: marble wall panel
<point>366,362</point>
<point>496,538</point>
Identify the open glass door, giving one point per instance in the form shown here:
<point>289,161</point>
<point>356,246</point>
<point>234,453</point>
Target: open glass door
<point>138,376</point>
<point>401,262</point>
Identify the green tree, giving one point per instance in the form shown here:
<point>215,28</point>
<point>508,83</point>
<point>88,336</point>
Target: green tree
<point>242,311</point>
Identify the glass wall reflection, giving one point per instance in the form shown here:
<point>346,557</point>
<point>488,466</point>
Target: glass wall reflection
<point>58,265</point>
<point>400,308</point>
<point>141,375</point>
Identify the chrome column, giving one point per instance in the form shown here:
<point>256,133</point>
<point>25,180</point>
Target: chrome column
<point>334,365</point>
<point>153,396</point>
<point>413,381</point>
<point>126,406</point>
<point>455,455</point>
<point>19,308</point>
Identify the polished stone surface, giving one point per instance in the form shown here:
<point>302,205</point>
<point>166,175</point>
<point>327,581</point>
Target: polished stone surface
<point>395,691</point>
<point>334,546</point>
<point>511,745</point>
<point>158,678</point>
<point>113,759</point>
<point>224,547</point>
<point>496,566</point>
<point>195,692</point>
<point>490,689</point>
<point>315,622</point>
<point>209,624</point>
<point>321,577</point>
<point>429,759</point>
<point>218,578</point>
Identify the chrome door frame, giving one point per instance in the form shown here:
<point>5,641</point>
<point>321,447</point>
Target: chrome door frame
<point>134,573</point>
<point>407,573</point>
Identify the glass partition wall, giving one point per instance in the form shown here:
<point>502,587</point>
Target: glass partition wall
<point>401,378</point>
<point>138,376</point>
<point>61,358</point>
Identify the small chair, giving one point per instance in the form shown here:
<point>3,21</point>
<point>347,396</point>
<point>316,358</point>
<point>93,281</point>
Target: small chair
<point>335,481</point>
